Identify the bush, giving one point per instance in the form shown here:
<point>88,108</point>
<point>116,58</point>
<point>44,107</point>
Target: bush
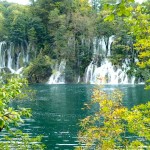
<point>108,127</point>
<point>39,70</point>
<point>11,118</point>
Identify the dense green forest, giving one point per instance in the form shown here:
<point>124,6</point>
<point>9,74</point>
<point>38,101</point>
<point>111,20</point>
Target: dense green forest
<point>50,31</point>
<point>70,39</point>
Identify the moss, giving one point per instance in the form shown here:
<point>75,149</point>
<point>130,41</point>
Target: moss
<point>39,70</point>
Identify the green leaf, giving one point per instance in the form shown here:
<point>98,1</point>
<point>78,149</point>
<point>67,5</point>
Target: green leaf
<point>2,122</point>
<point>130,0</point>
<point>119,13</point>
<point>109,18</point>
<point>127,13</point>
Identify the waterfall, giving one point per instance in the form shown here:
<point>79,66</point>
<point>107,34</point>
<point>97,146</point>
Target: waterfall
<point>99,46</point>
<point>9,64</point>
<point>26,52</point>
<point>111,39</point>
<point>90,73</point>
<point>106,72</point>
<point>58,76</point>
<point>2,55</point>
<point>17,62</point>
<point>79,79</point>
<point>12,58</point>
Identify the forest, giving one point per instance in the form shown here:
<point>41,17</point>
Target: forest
<point>68,35</point>
<point>75,41</point>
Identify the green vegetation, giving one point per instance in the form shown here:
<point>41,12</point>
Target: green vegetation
<point>38,70</point>
<point>111,124</point>
<point>136,19</point>
<point>11,118</point>
<point>65,29</point>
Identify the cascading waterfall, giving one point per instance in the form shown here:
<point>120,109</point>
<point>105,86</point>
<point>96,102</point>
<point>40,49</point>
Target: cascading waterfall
<point>2,55</point>
<point>106,72</point>
<point>25,53</point>
<point>90,72</point>
<point>111,39</point>
<point>102,73</point>
<point>11,58</point>
<point>78,81</point>
<point>9,64</point>
<point>58,76</point>
<point>99,45</point>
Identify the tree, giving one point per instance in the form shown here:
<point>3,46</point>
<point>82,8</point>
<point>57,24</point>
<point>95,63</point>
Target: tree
<point>105,29</point>
<point>39,69</point>
<point>140,23</point>
<point>2,21</point>
<point>71,28</point>
<point>108,126</point>
<point>136,16</point>
<point>17,23</point>
<point>11,118</point>
<point>111,123</point>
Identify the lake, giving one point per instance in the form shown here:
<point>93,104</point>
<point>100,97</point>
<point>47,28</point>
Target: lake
<point>57,109</point>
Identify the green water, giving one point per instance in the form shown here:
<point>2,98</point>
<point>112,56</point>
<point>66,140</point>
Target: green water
<point>57,110</point>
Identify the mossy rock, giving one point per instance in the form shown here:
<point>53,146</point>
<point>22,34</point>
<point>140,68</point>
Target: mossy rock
<point>5,70</point>
<point>39,70</point>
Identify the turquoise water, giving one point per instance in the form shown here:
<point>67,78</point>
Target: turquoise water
<point>58,108</point>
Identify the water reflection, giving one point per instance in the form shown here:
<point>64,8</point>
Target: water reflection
<point>57,110</point>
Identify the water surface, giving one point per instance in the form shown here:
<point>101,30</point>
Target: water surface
<point>57,110</point>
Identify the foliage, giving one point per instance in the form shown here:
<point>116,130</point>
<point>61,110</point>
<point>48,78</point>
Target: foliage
<point>142,33</point>
<point>110,124</point>
<point>11,118</point>
<point>39,70</point>
<point>66,29</point>
<point>105,29</point>
<point>137,18</point>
